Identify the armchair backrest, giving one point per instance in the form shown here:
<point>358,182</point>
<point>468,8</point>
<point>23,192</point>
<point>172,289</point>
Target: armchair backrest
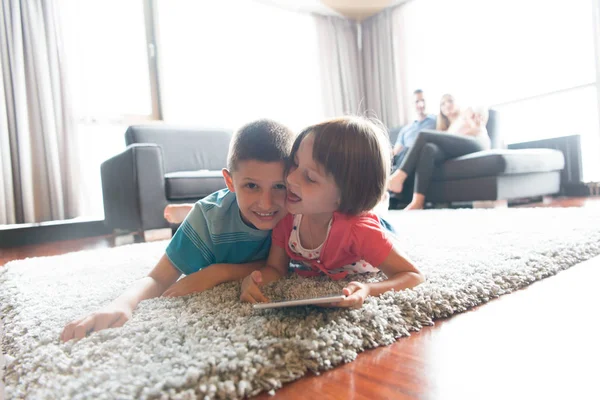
<point>184,148</point>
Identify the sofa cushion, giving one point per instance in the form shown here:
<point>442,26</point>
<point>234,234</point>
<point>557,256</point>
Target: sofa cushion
<point>184,148</point>
<point>500,162</point>
<point>193,185</point>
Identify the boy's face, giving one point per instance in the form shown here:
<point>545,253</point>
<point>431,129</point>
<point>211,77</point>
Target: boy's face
<point>420,103</point>
<point>260,191</point>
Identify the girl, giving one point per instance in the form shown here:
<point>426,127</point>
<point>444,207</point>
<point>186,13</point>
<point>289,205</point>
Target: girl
<point>338,172</point>
<point>465,133</point>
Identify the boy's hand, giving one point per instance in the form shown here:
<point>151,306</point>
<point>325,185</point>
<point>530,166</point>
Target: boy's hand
<point>356,293</point>
<point>112,316</point>
<point>250,289</point>
<point>190,284</point>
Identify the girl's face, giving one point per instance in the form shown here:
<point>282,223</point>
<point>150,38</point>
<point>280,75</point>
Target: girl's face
<point>447,106</point>
<point>310,189</point>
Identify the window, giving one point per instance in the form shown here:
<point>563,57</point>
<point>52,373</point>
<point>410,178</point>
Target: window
<point>222,64</point>
<point>531,60</point>
<point>108,63</point>
<point>227,63</point>
<point>577,113</point>
<point>105,46</point>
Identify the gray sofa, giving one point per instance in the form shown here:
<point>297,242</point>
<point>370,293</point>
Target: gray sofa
<point>165,164</point>
<point>162,164</point>
<point>496,174</point>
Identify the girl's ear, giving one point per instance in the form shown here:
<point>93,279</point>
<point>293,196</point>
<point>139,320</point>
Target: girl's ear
<point>228,179</point>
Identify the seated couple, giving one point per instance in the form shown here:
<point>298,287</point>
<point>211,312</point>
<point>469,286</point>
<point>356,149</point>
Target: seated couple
<point>288,197</point>
<point>419,151</point>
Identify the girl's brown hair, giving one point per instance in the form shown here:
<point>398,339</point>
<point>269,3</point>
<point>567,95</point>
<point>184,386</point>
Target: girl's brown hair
<point>443,123</point>
<point>357,154</point>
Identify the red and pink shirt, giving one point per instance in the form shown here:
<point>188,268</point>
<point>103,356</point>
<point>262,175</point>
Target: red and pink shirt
<point>355,243</point>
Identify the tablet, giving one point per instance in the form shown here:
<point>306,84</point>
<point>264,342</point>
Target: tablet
<point>301,302</point>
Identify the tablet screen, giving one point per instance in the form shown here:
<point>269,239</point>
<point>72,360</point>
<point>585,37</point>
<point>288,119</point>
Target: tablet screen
<point>301,302</point>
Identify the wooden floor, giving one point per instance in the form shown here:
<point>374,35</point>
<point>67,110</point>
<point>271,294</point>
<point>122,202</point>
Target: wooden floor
<point>538,343</point>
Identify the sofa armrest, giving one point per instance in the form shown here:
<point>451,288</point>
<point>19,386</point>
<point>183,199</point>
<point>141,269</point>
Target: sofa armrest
<point>133,188</point>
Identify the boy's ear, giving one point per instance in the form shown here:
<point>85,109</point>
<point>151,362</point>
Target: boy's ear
<point>228,179</point>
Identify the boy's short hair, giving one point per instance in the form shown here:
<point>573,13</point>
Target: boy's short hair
<point>356,152</point>
<point>262,140</point>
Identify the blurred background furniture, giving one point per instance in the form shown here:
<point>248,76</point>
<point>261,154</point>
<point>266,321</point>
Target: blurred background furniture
<point>490,175</point>
<point>571,177</point>
<point>165,164</point>
<point>162,164</point>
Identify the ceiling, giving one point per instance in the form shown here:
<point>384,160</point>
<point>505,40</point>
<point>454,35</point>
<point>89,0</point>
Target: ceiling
<point>357,9</point>
<point>353,9</point>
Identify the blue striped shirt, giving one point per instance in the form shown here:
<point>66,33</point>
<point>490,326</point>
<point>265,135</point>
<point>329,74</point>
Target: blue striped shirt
<point>213,233</point>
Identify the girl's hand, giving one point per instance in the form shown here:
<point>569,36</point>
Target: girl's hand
<point>190,284</point>
<point>250,289</point>
<point>356,293</point>
<point>112,316</point>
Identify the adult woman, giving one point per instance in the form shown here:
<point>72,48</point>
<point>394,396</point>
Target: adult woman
<point>458,133</point>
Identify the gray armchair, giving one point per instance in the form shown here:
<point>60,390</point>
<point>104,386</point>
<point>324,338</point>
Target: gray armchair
<point>496,174</point>
<point>162,164</point>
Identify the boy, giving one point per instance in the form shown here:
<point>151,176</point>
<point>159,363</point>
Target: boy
<point>226,236</point>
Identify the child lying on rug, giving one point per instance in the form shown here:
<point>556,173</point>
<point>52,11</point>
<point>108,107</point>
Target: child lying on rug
<point>226,236</point>
<point>338,172</point>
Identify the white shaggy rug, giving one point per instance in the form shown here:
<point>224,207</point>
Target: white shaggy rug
<point>211,346</point>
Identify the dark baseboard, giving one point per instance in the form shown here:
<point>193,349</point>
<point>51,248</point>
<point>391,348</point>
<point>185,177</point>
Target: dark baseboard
<point>28,234</point>
<point>396,204</point>
<point>575,189</point>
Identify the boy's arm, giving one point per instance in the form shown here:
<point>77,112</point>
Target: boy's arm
<point>119,310</point>
<point>212,276</point>
<point>162,276</point>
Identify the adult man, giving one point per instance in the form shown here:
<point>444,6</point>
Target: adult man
<point>409,133</point>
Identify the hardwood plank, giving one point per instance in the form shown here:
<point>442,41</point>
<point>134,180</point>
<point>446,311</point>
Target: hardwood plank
<point>562,202</point>
<point>54,248</point>
<point>51,231</point>
<point>539,342</point>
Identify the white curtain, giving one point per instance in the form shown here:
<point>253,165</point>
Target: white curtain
<point>7,193</point>
<point>596,11</point>
<point>380,60</point>
<point>341,70</point>
<point>473,56</point>
<point>38,169</point>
